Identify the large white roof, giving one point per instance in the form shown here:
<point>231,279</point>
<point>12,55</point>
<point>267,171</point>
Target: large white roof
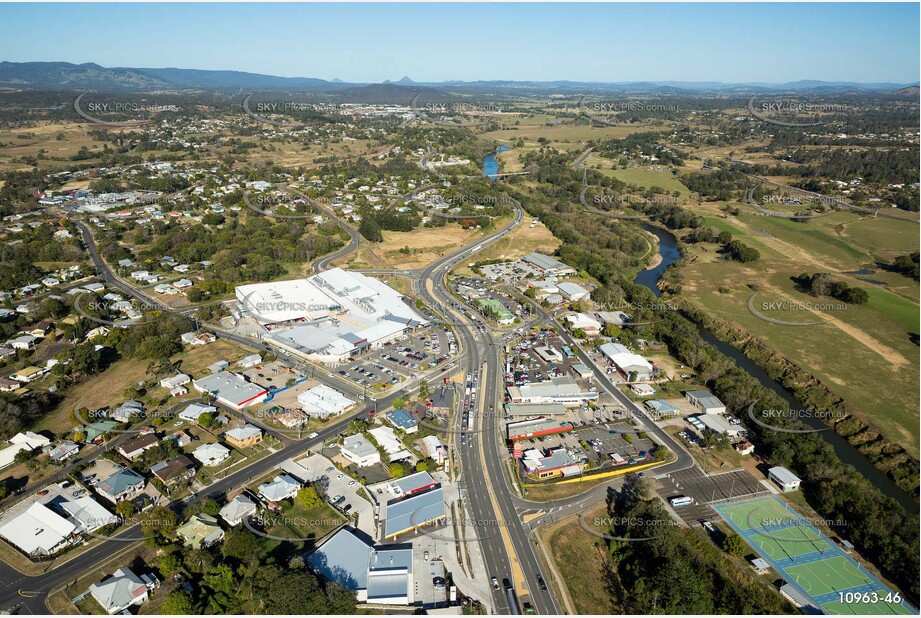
<point>37,529</point>
<point>322,400</point>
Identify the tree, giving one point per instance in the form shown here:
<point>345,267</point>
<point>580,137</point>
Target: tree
<point>178,602</point>
<point>424,389</point>
<point>396,470</point>
<point>170,564</point>
<point>210,507</point>
<point>308,498</point>
<point>160,521</point>
<point>735,546</point>
<point>205,419</point>
<point>370,229</point>
<point>240,545</point>
<point>125,509</point>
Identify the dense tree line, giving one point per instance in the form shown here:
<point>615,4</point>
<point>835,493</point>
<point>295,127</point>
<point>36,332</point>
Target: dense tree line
<point>717,185</point>
<point>673,571</point>
<point>906,265</point>
<point>824,284</point>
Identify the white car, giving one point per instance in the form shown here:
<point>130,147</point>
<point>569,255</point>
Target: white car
<point>312,434</point>
<point>351,483</point>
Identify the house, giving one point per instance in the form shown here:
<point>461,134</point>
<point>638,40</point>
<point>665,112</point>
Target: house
<point>28,374</point>
<point>387,440</point>
<point>63,451</point>
<point>435,449</point>
<point>134,448</point>
<point>23,441</point>
<point>124,484</point>
<point>243,436</point>
<point>96,431</point>
<point>128,412</point>
<point>182,439</point>
<point>401,419</point>
<point>218,367</point>
<point>174,381</point>
<point>250,361</point>
<point>706,402</point>
<point>8,386</point>
<point>785,479</point>
<point>744,448</point>
<point>23,342</point>
<point>122,590</point>
<point>237,510</point>
<point>38,531</point>
<point>200,531</point>
<point>280,488</point>
<point>211,455</point>
<point>38,330</point>
<point>174,471</point>
<point>194,410</point>
<point>204,339</point>
<point>360,451</point>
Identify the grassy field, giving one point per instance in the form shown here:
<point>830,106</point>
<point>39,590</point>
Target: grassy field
<point>647,178</point>
<point>59,142</point>
<point>580,560</point>
<point>522,241</point>
<point>856,345</point>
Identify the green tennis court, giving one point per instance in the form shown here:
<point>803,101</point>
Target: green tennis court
<point>750,515</point>
<point>790,543</point>
<point>835,574</point>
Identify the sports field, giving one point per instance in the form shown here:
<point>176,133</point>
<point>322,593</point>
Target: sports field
<point>808,560</point>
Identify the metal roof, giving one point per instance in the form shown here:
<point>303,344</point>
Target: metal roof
<point>417,510</point>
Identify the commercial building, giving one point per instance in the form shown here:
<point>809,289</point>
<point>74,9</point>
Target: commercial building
<point>630,366</point>
<point>84,513</point>
<point>231,389</point>
<point>331,315</point>
<point>381,574</point>
<point>420,509</point>
<point>784,479</point>
<point>534,409</point>
<point>360,451</point>
<point>496,310</point>
<point>38,531</point>
<point>706,402</point>
<point>718,424</point>
<point>23,441</point>
<point>412,484</point>
<point>584,322</point>
<point>659,408</point>
<point>554,463</point>
<point>535,428</point>
<point>573,291</point>
<point>324,401</point>
<point>561,390</point>
<point>547,265</point>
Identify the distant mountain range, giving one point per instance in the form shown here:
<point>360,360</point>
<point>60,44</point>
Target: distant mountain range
<point>90,76</point>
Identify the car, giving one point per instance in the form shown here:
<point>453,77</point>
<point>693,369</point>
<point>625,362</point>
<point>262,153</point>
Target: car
<point>78,493</point>
<point>312,434</point>
<point>43,492</point>
<point>352,483</point>
<point>541,582</point>
<point>495,583</point>
<point>425,556</point>
<point>347,507</point>
<point>438,582</point>
<point>341,476</point>
<point>329,469</point>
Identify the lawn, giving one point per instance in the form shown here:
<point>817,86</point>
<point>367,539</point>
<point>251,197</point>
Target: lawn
<point>308,525</point>
<point>651,178</point>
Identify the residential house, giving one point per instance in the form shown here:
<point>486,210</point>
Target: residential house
<point>122,590</point>
<point>122,485</point>
<point>134,448</point>
<point>200,531</point>
<point>243,436</point>
<point>237,510</point>
<point>282,487</point>
<point>174,471</point>
<point>211,455</point>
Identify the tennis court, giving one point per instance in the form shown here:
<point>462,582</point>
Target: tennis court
<point>807,559</point>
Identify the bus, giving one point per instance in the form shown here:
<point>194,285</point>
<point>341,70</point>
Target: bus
<point>681,501</point>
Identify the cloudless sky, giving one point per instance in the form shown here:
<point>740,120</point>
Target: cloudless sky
<point>434,42</point>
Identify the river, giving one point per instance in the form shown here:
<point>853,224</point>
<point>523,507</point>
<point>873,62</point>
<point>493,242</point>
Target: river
<point>490,164</point>
<point>669,253</point>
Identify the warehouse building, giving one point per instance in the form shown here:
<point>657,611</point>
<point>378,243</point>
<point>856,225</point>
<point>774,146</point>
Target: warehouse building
<point>231,389</point>
<point>630,366</point>
<point>547,265</point>
<point>561,390</point>
<point>534,409</point>
<point>706,402</point>
<point>331,315</point>
<point>324,401</point>
<point>420,509</point>
<point>785,479</point>
<point>534,428</point>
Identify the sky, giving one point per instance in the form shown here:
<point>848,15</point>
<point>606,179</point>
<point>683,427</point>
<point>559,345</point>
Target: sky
<point>436,42</point>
